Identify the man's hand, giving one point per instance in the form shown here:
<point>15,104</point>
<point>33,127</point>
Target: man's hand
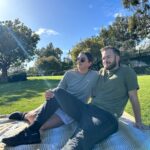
<point>142,126</point>
<point>49,94</point>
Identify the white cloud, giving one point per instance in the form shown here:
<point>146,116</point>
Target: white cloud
<point>144,44</point>
<point>96,28</point>
<point>110,23</point>
<point>118,15</point>
<point>41,31</point>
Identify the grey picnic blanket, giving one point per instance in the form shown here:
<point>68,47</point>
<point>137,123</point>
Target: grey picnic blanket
<point>127,138</point>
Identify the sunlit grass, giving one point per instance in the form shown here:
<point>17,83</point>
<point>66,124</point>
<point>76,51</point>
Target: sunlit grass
<point>25,95</point>
<point>144,98</point>
<point>46,77</point>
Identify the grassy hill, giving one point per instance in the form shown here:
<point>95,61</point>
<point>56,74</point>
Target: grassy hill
<point>27,95</point>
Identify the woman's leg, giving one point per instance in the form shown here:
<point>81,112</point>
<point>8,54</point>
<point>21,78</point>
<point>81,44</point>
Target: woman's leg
<point>47,110</point>
<point>53,122</point>
<point>31,115</point>
<point>31,134</point>
<point>25,116</point>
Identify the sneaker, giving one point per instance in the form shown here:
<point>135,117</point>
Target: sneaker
<point>24,137</point>
<point>17,116</point>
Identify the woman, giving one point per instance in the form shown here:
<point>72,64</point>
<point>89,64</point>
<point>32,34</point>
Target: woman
<point>79,82</point>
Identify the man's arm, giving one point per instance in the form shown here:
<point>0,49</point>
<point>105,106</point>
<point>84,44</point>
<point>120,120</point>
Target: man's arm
<point>133,95</point>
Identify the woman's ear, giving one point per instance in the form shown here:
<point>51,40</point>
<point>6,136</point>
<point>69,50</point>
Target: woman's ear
<point>90,64</point>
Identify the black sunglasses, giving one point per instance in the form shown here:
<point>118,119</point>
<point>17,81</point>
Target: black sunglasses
<point>82,60</point>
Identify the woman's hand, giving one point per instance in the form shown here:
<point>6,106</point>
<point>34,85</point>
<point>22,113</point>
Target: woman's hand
<point>49,94</point>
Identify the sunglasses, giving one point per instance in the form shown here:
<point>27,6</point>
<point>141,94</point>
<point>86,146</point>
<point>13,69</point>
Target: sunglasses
<point>82,60</point>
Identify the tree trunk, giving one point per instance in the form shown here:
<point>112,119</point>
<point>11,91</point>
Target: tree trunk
<point>4,77</point>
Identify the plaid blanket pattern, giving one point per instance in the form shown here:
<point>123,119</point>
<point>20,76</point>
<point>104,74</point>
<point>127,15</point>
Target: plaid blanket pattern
<point>127,138</point>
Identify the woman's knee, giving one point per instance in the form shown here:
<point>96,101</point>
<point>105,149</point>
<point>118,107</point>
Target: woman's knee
<point>59,91</point>
<point>61,95</point>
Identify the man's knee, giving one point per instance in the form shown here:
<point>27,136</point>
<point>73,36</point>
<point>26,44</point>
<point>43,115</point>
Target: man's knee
<point>76,142</point>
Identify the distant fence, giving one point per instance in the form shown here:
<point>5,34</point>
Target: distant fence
<point>135,54</point>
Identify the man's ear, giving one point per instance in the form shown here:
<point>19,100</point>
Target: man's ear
<point>118,58</point>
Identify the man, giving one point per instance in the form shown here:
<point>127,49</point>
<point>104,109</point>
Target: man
<point>98,120</point>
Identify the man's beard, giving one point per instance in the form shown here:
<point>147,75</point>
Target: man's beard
<point>112,65</point>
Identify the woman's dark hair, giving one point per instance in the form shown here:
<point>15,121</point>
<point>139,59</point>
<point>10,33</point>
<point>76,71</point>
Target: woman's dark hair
<point>88,55</point>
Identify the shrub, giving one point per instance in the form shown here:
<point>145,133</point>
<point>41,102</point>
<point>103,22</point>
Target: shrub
<point>21,76</point>
<point>142,70</point>
<point>54,73</point>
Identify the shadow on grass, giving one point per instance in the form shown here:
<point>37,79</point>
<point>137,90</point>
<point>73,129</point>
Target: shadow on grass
<point>12,92</point>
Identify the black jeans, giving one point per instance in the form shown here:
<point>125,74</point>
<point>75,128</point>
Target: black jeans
<point>95,124</point>
<point>48,109</point>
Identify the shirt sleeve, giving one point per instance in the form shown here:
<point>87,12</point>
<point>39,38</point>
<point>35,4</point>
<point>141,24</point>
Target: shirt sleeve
<point>63,83</point>
<point>94,86</point>
<point>131,80</point>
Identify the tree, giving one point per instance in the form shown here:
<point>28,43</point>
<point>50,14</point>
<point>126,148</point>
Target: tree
<point>17,44</point>
<point>67,63</point>
<point>92,45</point>
<point>140,19</point>
<point>49,59</point>
<point>48,65</point>
<point>50,50</point>
<point>118,35</point>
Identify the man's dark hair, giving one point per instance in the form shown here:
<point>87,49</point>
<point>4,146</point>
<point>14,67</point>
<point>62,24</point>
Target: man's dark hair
<point>115,50</point>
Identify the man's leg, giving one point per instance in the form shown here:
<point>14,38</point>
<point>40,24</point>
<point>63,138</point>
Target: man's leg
<point>78,111</point>
<point>69,103</point>
<point>95,124</point>
<point>87,137</point>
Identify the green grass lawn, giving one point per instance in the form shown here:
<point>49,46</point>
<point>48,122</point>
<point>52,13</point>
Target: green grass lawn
<point>27,95</point>
<point>144,98</point>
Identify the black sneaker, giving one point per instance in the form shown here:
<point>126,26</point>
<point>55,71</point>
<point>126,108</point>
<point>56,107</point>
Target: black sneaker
<point>24,137</point>
<point>17,116</point>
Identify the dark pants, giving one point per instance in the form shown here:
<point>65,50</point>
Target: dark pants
<point>95,124</point>
<point>48,109</point>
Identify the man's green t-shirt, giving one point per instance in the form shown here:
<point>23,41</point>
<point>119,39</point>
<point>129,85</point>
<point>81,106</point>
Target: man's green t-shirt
<point>112,89</point>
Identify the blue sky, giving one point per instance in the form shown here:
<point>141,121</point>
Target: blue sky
<point>62,22</point>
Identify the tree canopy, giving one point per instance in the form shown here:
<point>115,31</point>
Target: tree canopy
<point>140,18</point>
<point>118,35</point>
<point>92,45</point>
<point>48,65</point>
<point>49,59</point>
<point>17,44</point>
<point>50,50</point>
